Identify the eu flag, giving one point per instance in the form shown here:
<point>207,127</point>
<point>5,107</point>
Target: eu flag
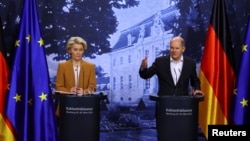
<point>29,106</point>
<point>241,109</point>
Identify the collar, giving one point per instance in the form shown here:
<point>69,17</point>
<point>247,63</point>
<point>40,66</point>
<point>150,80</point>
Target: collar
<point>172,60</point>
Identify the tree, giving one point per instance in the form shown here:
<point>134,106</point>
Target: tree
<point>94,20</point>
<point>192,24</point>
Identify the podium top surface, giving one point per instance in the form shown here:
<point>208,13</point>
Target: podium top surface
<point>63,94</point>
<point>156,98</point>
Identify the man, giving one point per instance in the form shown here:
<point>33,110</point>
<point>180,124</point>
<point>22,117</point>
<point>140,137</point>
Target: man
<point>174,71</point>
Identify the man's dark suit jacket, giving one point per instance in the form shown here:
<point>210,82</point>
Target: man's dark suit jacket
<point>161,67</point>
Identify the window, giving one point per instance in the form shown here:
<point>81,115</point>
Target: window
<point>114,83</point>
<point>130,81</point>
<point>121,60</point>
<point>147,84</point>
<point>129,58</point>
<point>114,62</point>
<point>121,82</point>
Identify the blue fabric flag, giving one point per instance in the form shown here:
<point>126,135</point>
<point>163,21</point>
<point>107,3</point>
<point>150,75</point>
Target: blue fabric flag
<point>241,109</point>
<point>30,107</point>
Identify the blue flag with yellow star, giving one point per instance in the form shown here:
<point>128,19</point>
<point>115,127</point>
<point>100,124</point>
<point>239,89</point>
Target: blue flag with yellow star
<point>241,109</point>
<point>29,103</point>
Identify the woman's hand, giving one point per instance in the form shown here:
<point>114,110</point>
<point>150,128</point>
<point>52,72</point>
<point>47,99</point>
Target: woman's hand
<point>76,90</point>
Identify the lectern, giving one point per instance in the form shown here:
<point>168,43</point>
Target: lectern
<point>79,118</point>
<point>177,117</point>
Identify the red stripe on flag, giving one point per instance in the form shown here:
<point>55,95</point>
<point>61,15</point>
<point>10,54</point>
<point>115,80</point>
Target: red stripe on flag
<point>4,72</point>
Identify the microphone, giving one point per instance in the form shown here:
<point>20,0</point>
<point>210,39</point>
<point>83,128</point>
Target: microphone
<point>175,81</point>
<point>177,76</point>
<point>181,87</point>
<point>76,81</point>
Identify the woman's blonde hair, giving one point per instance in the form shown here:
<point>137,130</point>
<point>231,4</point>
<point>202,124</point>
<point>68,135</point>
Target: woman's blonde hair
<point>76,40</point>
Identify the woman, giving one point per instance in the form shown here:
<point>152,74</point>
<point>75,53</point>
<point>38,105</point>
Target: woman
<point>76,76</point>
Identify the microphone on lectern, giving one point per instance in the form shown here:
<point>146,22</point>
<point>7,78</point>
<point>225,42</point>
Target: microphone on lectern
<point>175,82</point>
<point>76,69</point>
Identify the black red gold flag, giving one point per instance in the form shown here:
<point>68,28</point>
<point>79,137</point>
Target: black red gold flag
<point>5,133</point>
<point>217,72</point>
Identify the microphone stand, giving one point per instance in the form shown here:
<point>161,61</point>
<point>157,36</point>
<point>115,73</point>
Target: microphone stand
<point>76,78</point>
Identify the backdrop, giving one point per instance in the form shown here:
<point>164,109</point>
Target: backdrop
<point>119,33</point>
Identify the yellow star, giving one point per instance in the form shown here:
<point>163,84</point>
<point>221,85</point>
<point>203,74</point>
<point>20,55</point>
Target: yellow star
<point>244,102</point>
<point>17,43</point>
<point>17,97</point>
<point>41,42</point>
<point>30,101</point>
<point>244,48</point>
<point>43,96</point>
<point>28,38</point>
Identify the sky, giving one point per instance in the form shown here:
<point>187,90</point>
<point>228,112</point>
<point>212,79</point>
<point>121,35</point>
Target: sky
<point>134,15</point>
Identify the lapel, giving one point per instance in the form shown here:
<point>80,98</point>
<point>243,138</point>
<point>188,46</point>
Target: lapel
<point>184,70</point>
<point>184,67</point>
<point>169,70</point>
<point>81,74</point>
<point>70,72</point>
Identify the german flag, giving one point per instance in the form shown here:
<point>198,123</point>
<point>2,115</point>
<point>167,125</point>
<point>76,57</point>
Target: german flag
<point>4,71</point>
<point>5,132</point>
<point>217,72</point>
